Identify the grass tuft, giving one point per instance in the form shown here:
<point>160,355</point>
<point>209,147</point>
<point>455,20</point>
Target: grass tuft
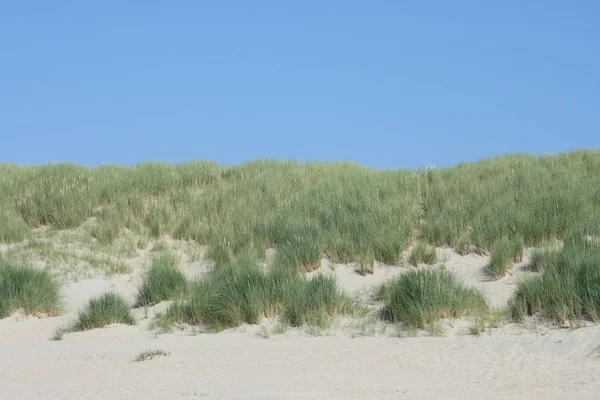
<point>568,288</point>
<point>421,297</point>
<point>162,282</point>
<point>541,258</point>
<point>150,354</point>
<point>13,228</point>
<point>32,290</point>
<point>313,302</point>
<point>504,253</point>
<point>109,308</point>
<point>366,264</point>
<point>422,253</point>
<point>240,292</point>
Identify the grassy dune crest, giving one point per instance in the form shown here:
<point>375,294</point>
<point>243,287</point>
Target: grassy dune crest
<point>343,210</point>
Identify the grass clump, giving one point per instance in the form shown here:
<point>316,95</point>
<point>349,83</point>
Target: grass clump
<point>13,228</point>
<point>302,251</point>
<point>32,290</point>
<point>241,292</point>
<point>421,297</point>
<point>567,290</point>
<point>366,264</point>
<point>504,253</point>
<point>312,302</point>
<point>109,308</point>
<point>150,354</point>
<point>422,253</point>
<point>541,258</point>
<point>108,225</point>
<point>491,319</point>
<point>162,282</point>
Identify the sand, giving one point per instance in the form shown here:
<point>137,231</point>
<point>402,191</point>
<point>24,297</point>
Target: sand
<point>514,361</point>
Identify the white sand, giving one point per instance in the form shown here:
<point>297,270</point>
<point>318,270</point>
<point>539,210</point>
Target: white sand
<point>510,362</point>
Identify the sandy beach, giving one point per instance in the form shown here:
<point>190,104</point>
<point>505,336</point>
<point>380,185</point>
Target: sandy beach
<point>520,361</point>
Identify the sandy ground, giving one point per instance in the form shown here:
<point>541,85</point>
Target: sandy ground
<point>509,362</point>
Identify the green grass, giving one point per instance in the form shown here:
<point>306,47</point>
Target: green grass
<point>240,292</point>
<point>540,258</point>
<point>492,319</point>
<point>109,308</point>
<point>365,265</point>
<point>32,290</point>
<point>13,228</point>
<point>344,211</point>
<point>505,253</point>
<point>108,225</point>
<point>162,282</point>
<point>568,288</point>
<point>313,302</point>
<point>422,253</point>
<point>149,355</point>
<point>537,198</point>
<point>304,210</point>
<point>421,297</point>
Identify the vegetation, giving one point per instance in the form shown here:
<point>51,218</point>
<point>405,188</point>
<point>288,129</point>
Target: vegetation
<point>109,308</point>
<point>422,253</point>
<point>540,258</point>
<point>162,282</point>
<point>149,355</point>
<point>366,264</point>
<point>32,290</point>
<point>341,209</point>
<point>240,292</point>
<point>568,289</point>
<point>504,253</point>
<point>421,297</point>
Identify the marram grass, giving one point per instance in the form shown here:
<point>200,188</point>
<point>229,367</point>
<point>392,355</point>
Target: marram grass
<point>421,297</point>
<point>24,288</point>
<point>339,209</point>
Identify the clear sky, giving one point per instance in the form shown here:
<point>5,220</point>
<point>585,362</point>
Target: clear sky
<point>382,83</point>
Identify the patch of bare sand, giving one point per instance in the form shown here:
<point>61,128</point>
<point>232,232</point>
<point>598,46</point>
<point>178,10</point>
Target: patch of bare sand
<point>98,364</point>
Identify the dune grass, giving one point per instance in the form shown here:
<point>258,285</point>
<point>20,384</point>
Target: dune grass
<point>540,258</point>
<point>537,198</point>
<point>109,308</point>
<point>505,253</point>
<point>241,292</point>
<point>365,265</point>
<point>421,297</point>
<point>568,288</point>
<point>150,354</point>
<point>32,290</point>
<point>422,253</point>
<point>343,210</point>
<point>13,228</point>
<point>162,282</point>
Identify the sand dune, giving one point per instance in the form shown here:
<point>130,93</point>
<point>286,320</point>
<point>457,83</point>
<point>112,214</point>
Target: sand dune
<point>513,361</point>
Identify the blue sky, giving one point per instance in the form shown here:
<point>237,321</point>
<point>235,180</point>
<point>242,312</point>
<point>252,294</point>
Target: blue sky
<point>384,83</point>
